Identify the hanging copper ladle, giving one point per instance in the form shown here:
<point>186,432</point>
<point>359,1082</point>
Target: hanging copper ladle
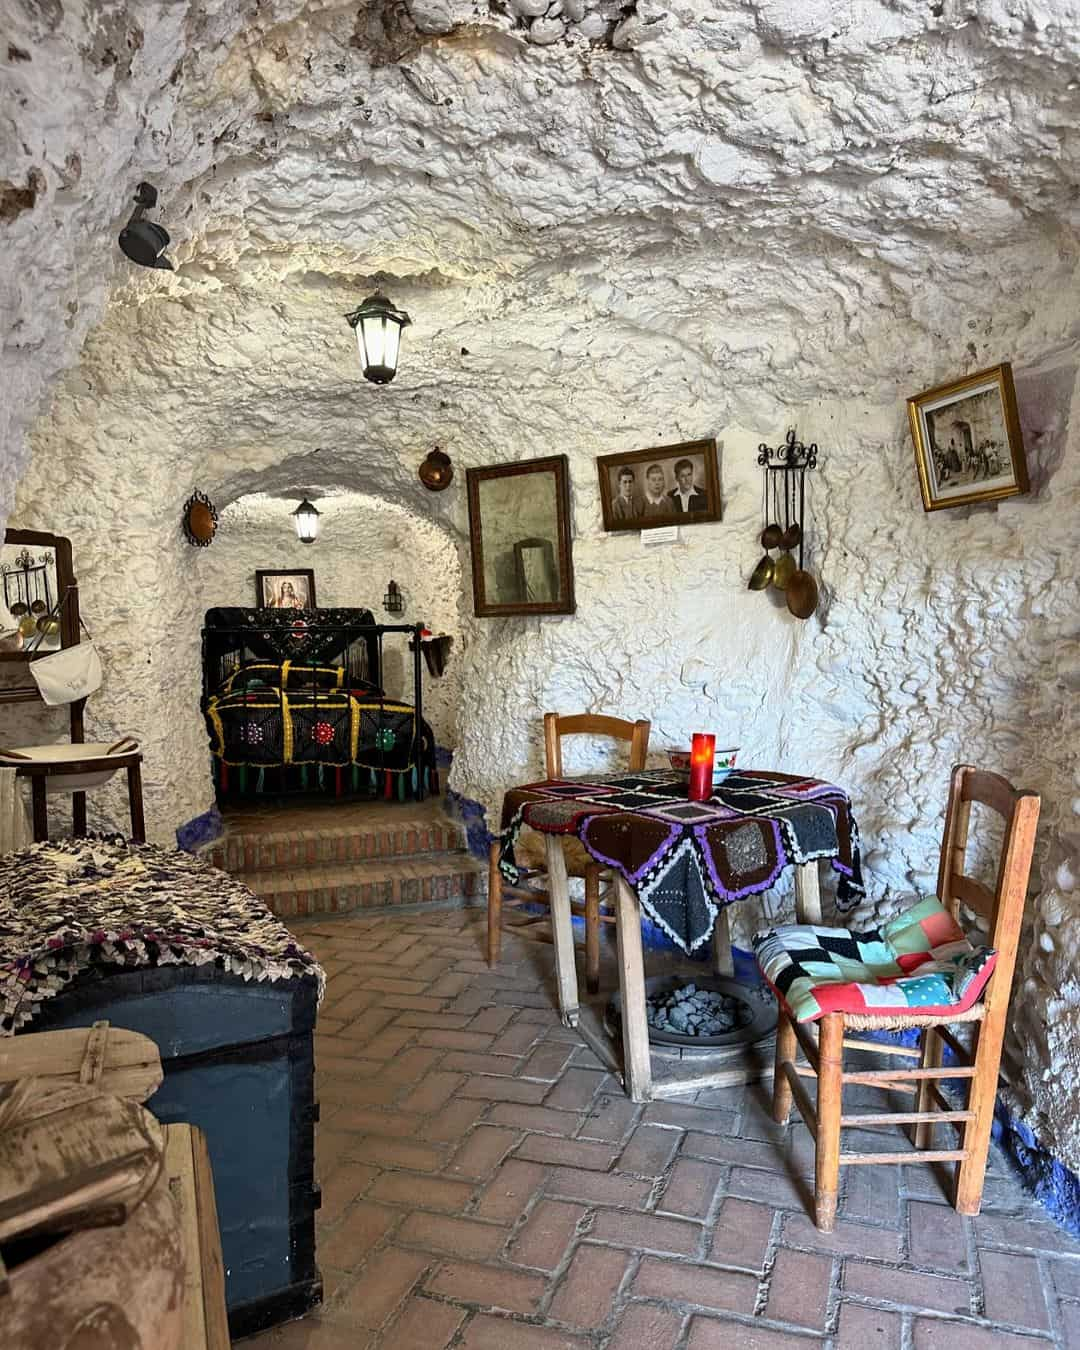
<point>783,571</point>
<point>784,568</point>
<point>802,594</point>
<point>770,538</point>
<point>761,575</point>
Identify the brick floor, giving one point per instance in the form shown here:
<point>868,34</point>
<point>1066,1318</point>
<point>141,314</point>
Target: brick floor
<point>486,1186</point>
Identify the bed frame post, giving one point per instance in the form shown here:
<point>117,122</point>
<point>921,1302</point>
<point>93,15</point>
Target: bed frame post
<point>418,704</point>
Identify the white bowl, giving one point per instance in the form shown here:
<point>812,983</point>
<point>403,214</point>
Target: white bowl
<point>723,762</point>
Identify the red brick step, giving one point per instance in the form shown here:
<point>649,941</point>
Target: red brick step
<point>341,888</point>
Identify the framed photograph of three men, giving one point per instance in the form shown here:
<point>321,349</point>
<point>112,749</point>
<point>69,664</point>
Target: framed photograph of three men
<point>665,485</point>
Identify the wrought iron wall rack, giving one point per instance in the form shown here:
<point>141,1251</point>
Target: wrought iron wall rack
<point>792,459</point>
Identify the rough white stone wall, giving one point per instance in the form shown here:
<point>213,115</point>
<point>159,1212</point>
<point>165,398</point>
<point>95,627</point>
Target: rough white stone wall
<point>612,230</point>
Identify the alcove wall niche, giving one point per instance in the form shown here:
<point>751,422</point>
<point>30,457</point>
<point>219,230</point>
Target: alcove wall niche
<point>363,542</point>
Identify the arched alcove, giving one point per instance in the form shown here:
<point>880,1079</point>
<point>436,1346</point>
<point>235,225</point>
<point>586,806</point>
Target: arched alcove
<point>364,542</point>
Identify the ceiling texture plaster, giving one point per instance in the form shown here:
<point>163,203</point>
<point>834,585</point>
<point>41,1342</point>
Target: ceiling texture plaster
<point>614,226</point>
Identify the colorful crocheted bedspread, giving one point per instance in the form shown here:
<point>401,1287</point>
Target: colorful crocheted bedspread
<point>686,859</point>
<point>268,725</point>
<point>77,903</point>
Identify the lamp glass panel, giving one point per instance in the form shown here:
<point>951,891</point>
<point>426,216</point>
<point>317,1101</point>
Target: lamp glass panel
<point>307,525</point>
<point>373,340</point>
<point>393,340</point>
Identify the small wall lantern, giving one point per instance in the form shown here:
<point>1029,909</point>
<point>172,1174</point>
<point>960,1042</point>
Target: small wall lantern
<point>306,520</point>
<point>393,600</point>
<point>378,328</point>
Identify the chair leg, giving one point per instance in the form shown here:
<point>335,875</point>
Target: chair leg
<point>830,1092</point>
<point>592,929</point>
<point>922,1133</point>
<point>971,1173</point>
<point>494,906</point>
<point>786,1048</point>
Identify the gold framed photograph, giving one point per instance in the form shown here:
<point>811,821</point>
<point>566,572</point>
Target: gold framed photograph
<point>968,446</point>
<point>666,485</point>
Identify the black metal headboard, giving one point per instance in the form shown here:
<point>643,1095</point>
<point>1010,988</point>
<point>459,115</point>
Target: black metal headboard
<point>332,637</point>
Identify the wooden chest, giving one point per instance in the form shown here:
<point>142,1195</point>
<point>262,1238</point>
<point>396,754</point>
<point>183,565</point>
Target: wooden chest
<point>238,1063</point>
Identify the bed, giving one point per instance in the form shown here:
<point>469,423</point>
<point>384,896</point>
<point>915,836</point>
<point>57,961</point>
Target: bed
<point>294,704</point>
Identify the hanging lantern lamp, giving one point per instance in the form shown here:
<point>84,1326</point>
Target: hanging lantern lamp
<point>393,600</point>
<point>378,328</point>
<point>306,520</point>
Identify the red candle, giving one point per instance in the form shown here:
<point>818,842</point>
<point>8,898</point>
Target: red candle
<point>701,766</point>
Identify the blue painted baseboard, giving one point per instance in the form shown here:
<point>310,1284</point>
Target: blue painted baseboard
<point>200,830</point>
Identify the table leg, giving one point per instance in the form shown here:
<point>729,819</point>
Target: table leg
<point>41,810</point>
<point>138,824</point>
<point>637,1068</point>
<point>807,893</point>
<point>562,930</point>
<point>723,961</point>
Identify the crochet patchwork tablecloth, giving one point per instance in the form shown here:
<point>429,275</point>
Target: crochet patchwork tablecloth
<point>75,903</point>
<point>685,859</point>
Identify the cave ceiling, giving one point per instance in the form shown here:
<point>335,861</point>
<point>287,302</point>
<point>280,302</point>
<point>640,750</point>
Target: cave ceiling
<point>748,205</point>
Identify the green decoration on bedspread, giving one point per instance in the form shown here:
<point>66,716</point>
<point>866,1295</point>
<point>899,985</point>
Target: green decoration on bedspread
<point>385,738</point>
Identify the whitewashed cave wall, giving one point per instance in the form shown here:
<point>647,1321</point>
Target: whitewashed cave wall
<point>941,638</point>
<point>611,232</point>
<point>363,542</point>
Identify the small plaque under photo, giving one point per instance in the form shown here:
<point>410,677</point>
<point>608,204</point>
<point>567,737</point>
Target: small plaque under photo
<point>663,534</point>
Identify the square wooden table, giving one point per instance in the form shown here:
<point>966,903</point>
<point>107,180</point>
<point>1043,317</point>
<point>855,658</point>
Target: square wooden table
<point>682,863</point>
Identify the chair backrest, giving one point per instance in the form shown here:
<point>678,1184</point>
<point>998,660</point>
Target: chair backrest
<point>1002,908</point>
<point>593,724</point>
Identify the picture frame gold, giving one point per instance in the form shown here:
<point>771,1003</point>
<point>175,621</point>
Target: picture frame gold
<point>640,509</point>
<point>967,439</point>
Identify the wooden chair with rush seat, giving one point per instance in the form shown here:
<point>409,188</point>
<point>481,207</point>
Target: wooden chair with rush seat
<point>530,889</point>
<point>919,971</point>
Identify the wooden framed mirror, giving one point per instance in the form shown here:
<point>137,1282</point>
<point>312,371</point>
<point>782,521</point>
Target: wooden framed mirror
<point>519,534</point>
<point>36,575</point>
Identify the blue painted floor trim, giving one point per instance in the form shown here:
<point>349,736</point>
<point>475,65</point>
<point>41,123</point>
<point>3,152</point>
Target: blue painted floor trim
<point>200,830</point>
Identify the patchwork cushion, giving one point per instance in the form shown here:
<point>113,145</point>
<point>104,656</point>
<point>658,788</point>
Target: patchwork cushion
<point>919,962</point>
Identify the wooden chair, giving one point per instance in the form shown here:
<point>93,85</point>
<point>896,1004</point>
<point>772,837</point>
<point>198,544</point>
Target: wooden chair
<point>1003,911</point>
<point>532,881</point>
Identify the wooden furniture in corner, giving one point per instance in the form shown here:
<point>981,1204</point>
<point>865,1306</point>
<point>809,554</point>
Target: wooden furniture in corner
<point>531,888</point>
<point>123,754</point>
<point>187,1162</point>
<point>1003,911</point>
<point>120,1062</point>
<point>68,592</point>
